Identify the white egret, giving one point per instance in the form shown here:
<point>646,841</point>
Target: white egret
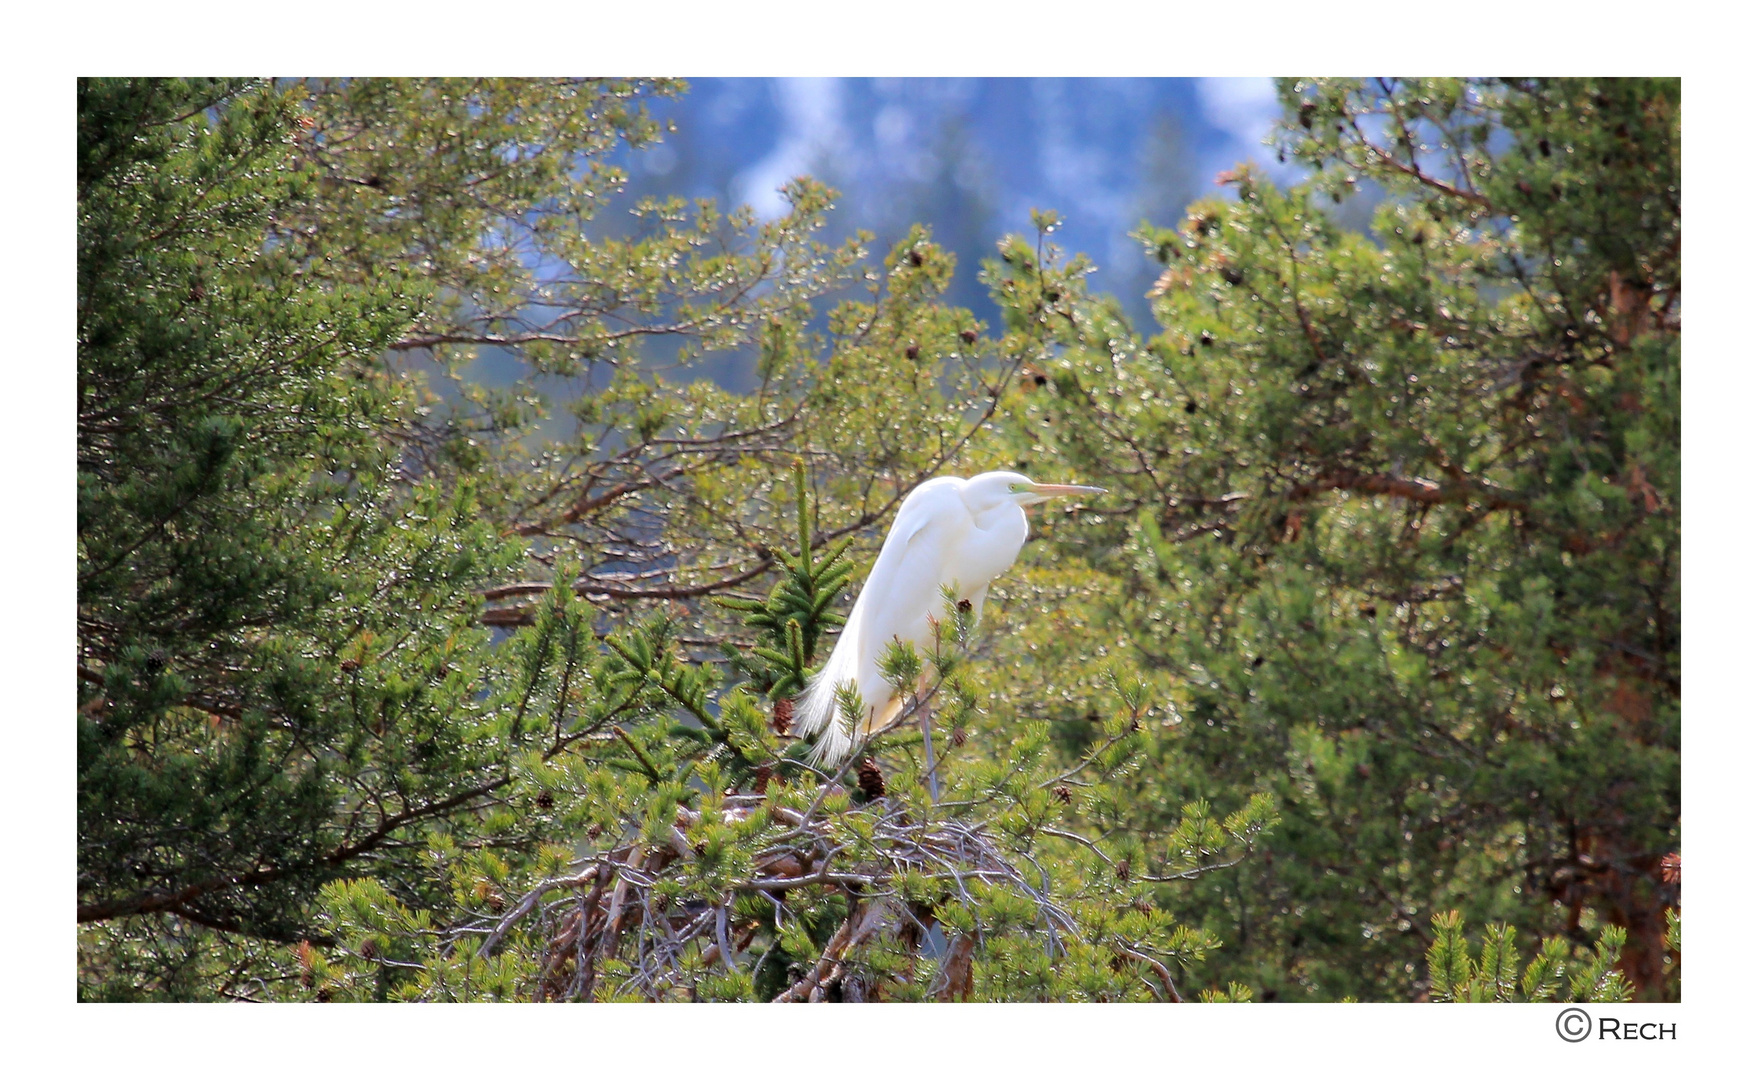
<point>950,533</point>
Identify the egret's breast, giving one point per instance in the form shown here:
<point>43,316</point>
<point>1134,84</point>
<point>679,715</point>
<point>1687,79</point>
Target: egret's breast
<point>988,550</point>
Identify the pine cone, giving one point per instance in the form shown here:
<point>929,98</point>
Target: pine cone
<point>782,718</point>
<point>871,780</point>
<point>959,736</point>
<point>307,957</point>
<point>1063,795</point>
<point>764,775</point>
<point>1669,869</point>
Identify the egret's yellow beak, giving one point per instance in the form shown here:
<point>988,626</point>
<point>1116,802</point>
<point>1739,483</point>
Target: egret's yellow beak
<point>1051,491</point>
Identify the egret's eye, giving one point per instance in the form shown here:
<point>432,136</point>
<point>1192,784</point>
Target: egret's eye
<point>1016,488</point>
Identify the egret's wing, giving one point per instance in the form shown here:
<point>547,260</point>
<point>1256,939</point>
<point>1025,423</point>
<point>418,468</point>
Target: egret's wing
<point>895,601</point>
<point>904,588</point>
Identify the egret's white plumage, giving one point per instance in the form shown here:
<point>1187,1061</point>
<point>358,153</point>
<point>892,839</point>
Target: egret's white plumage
<point>949,533</point>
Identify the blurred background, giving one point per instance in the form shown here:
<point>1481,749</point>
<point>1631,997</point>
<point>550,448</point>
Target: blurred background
<point>971,158</point>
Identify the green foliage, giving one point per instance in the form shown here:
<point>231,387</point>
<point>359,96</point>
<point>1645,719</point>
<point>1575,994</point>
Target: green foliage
<point>1394,522</point>
<point>276,632</point>
<point>439,619</point>
<point>308,771</point>
<point>1575,973</point>
<point>797,612</point>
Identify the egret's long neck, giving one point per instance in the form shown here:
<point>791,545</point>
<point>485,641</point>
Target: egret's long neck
<point>1000,514</point>
<point>995,543</point>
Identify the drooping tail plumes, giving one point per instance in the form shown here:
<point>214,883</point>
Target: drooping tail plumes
<point>816,712</point>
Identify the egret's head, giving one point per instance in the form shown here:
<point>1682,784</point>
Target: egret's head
<point>994,488</point>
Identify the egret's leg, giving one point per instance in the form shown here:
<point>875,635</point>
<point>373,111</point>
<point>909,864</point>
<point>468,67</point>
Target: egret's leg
<point>928,752</point>
<point>929,761</point>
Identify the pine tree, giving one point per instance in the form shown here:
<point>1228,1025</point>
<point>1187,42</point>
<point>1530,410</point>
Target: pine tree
<point>798,610</point>
<point>1397,518</point>
<point>309,768</point>
<point>1556,973</point>
<point>439,624</point>
<point>277,640</point>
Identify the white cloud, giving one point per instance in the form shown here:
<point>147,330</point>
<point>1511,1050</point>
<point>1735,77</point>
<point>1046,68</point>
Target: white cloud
<point>1243,107</point>
<point>1246,109</point>
<point>811,131</point>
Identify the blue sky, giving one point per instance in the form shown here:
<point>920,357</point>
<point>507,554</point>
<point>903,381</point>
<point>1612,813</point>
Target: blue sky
<point>972,156</point>
<point>815,123</point>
